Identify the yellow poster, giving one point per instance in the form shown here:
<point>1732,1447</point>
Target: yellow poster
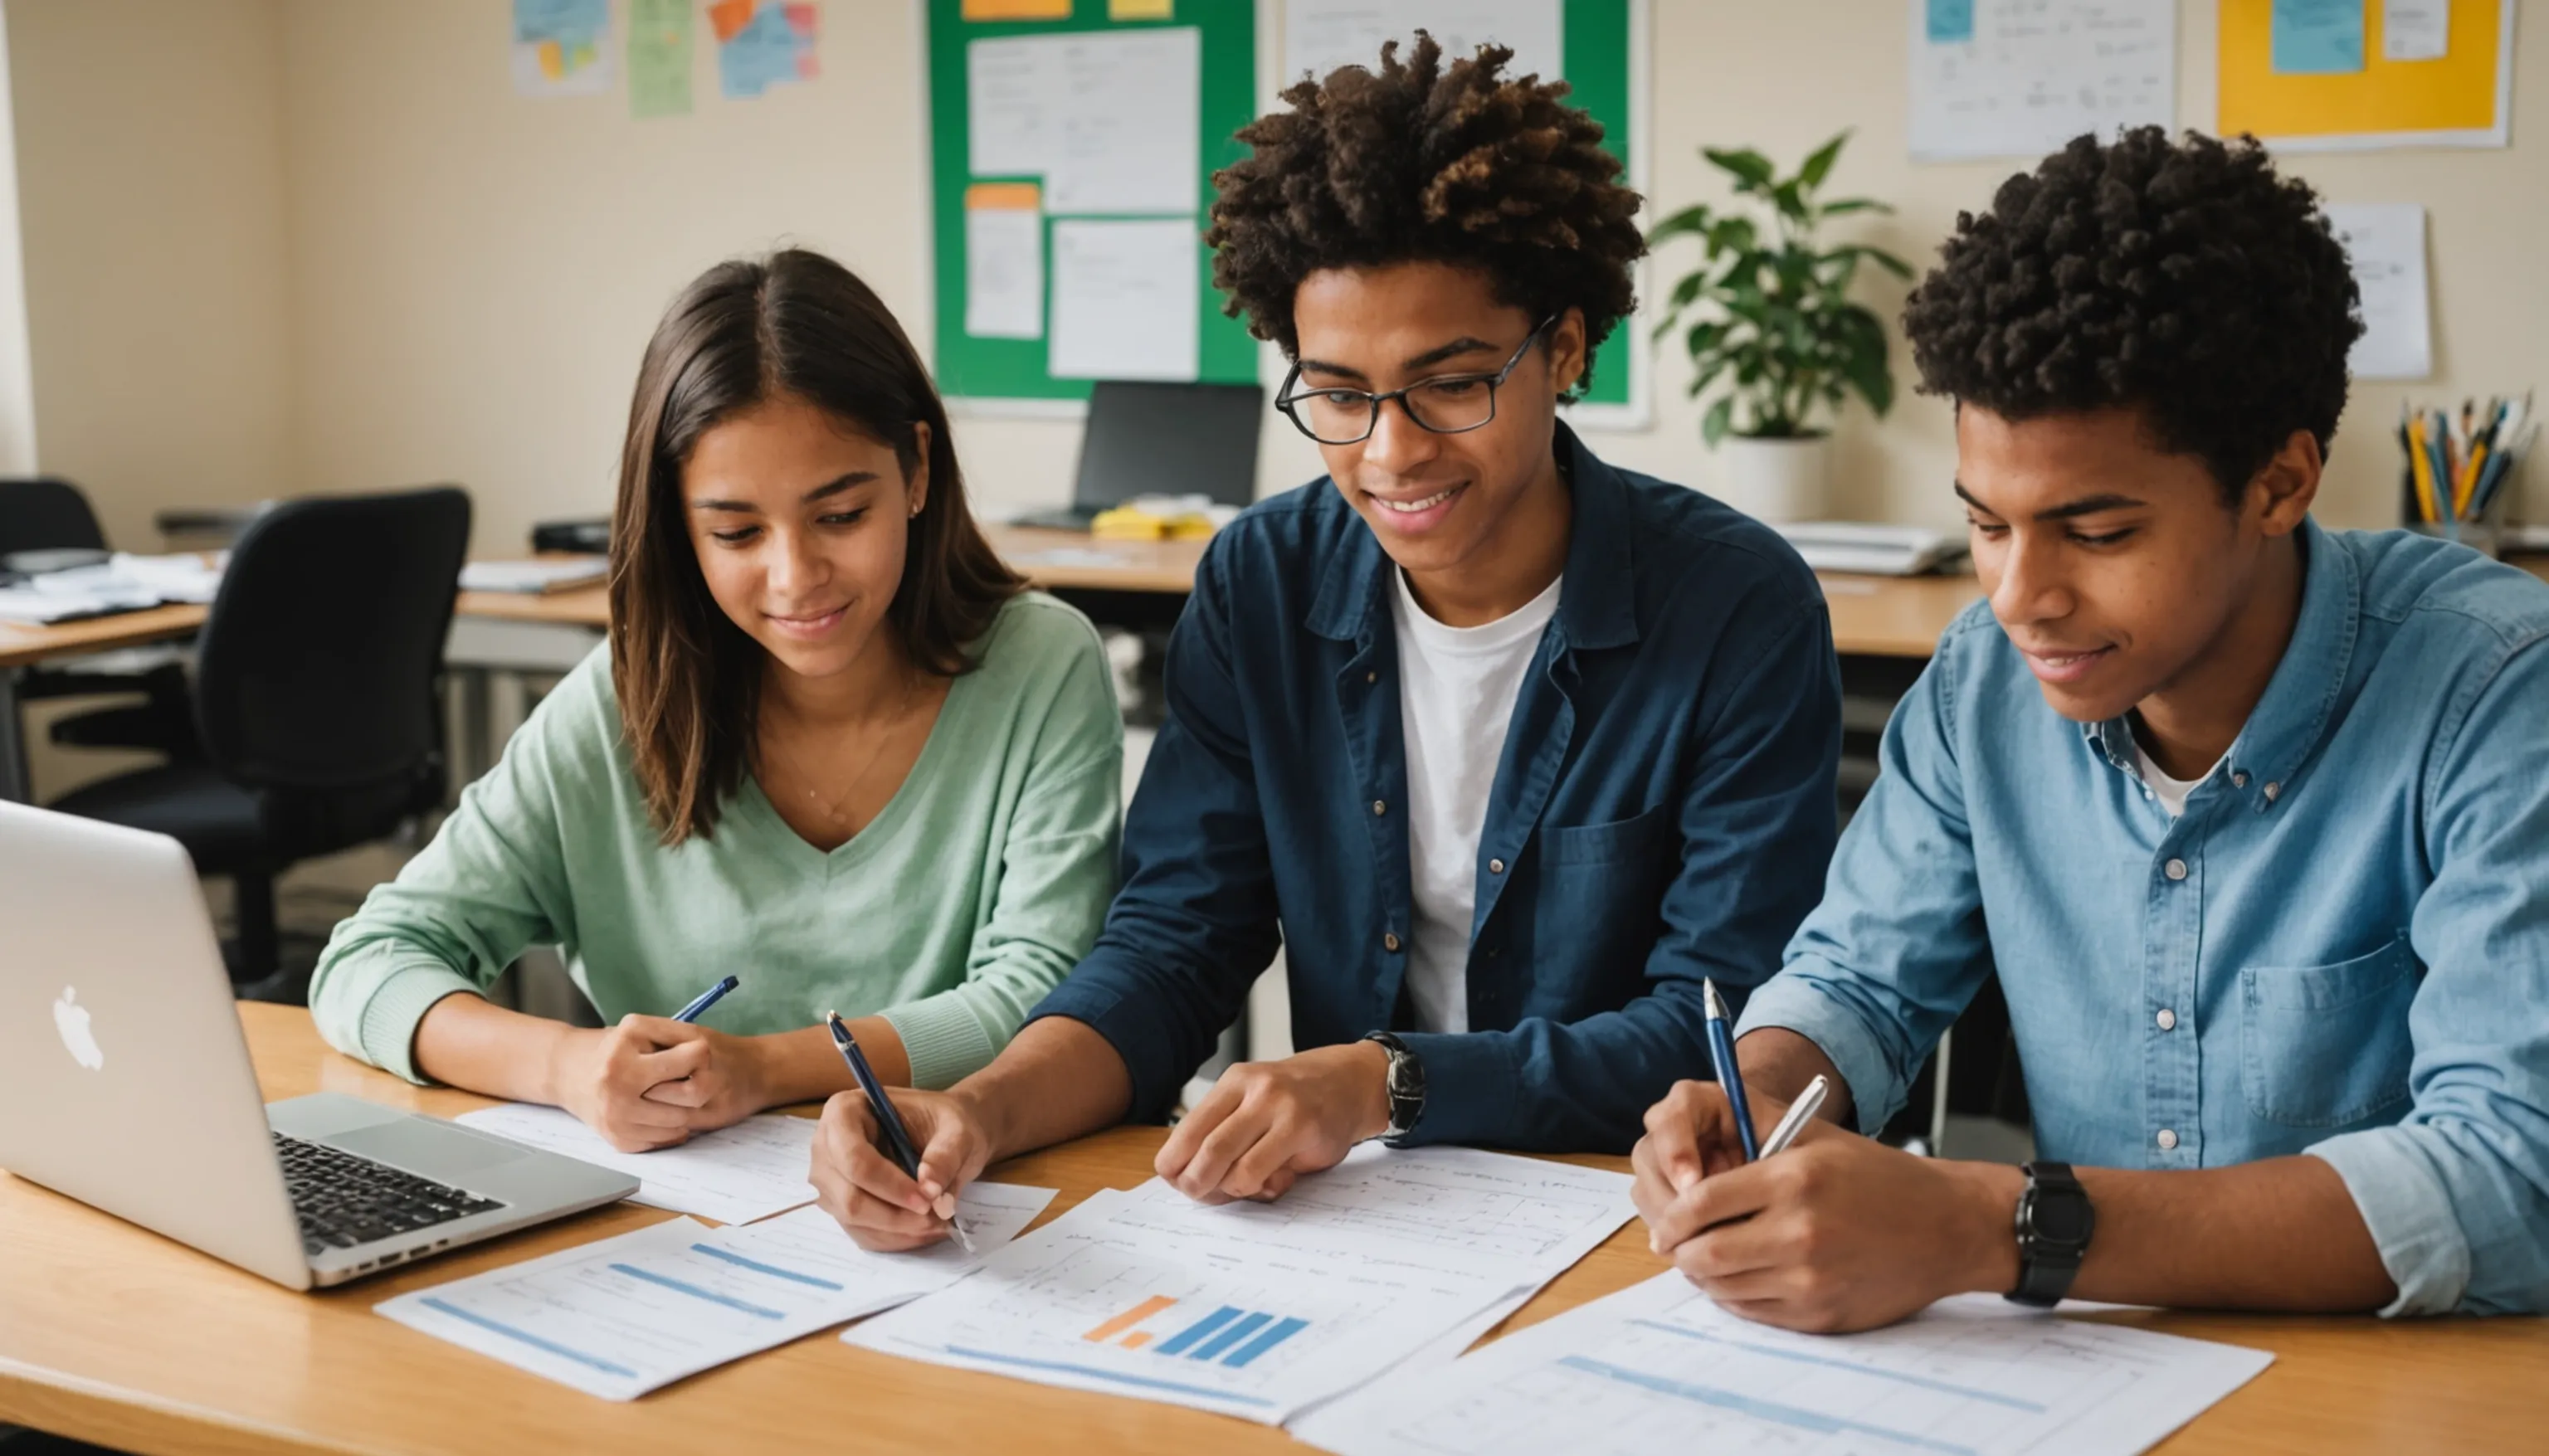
<point>2460,98</point>
<point>1141,9</point>
<point>1017,9</point>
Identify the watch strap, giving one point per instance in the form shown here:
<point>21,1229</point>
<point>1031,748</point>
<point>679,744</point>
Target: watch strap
<point>1406,1086</point>
<point>2046,1264</point>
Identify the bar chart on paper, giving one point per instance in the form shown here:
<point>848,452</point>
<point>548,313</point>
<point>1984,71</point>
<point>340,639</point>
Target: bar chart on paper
<point>1659,1369</point>
<point>1226,1335</point>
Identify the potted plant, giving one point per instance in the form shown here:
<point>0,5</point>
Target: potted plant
<point>1773,330</point>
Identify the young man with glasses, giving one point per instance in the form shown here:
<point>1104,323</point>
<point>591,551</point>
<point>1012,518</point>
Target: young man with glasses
<point>1508,748</point>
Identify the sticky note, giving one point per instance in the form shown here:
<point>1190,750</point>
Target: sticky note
<point>1950,22</point>
<point>1140,9</point>
<point>1017,9</point>
<point>2317,37</point>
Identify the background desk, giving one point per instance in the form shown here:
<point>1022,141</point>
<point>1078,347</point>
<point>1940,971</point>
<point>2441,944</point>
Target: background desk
<point>116,1335</point>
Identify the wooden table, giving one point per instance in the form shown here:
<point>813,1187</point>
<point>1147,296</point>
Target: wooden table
<point>116,1335</point>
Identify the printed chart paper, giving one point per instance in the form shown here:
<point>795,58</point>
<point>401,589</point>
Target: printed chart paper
<point>735,1175</point>
<point>1125,300</point>
<point>2385,243</point>
<point>1004,260</point>
<point>2018,79</point>
<point>1263,1311</point>
<point>1105,120</point>
<point>1657,1368</point>
<point>1320,35</point>
<point>619,1318</point>
<point>559,47</point>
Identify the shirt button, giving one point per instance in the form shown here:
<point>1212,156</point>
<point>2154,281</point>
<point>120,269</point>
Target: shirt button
<point>2167,1139</point>
<point>2174,869</point>
<point>2273,789</point>
<point>1389,941</point>
<point>1372,677</point>
<point>1495,867</point>
<point>2167,1020</point>
<point>2238,780</point>
<point>1378,807</point>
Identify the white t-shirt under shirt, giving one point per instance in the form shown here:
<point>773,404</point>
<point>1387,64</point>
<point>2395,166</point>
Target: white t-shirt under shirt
<point>1455,699</point>
<point>2171,793</point>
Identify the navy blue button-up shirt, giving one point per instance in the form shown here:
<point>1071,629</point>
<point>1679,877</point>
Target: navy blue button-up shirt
<point>1663,812</point>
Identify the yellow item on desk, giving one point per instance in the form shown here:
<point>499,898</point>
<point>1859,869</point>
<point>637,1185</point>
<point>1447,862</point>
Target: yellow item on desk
<point>1132,524</point>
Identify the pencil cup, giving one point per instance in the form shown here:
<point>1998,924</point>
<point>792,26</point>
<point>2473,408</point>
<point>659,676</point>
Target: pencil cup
<point>2482,535</point>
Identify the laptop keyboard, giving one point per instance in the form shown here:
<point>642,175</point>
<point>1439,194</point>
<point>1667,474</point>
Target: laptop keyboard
<point>344,1199</point>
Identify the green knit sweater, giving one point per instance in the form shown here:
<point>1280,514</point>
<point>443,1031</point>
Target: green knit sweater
<point>976,889</point>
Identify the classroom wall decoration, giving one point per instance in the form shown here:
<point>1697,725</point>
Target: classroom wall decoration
<point>559,47</point>
<point>1072,149</point>
<point>659,57</point>
<point>2018,79</point>
<point>763,44</point>
<point>2339,76</point>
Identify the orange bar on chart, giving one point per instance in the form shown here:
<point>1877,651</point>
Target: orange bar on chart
<point>1136,1339</point>
<point>1130,1317</point>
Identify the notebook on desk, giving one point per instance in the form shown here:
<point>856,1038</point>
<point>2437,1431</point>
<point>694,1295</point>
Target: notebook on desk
<point>1875,548</point>
<point>1161,439</point>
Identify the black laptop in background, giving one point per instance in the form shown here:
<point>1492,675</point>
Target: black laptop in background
<point>1162,439</point>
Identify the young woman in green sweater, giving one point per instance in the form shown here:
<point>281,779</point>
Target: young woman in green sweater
<point>834,748</point>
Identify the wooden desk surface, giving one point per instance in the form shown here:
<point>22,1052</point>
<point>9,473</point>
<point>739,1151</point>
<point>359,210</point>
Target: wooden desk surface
<point>116,1335</point>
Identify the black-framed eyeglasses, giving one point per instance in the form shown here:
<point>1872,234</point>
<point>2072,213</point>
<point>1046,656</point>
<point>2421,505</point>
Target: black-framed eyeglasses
<point>1451,405</point>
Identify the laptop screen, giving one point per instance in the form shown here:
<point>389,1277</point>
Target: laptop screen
<point>1169,440</point>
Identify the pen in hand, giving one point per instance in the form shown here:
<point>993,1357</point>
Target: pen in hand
<point>705,999</point>
<point>1721,1051</point>
<point>898,1138</point>
<point>1800,1112</point>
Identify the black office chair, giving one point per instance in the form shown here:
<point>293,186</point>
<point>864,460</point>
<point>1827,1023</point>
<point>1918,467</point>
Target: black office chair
<point>315,697</point>
<point>48,513</point>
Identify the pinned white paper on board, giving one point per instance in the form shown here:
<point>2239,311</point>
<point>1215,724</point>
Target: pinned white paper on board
<point>1107,121</point>
<point>1124,300</point>
<point>1321,35</point>
<point>2385,243</point>
<point>2415,30</point>
<point>2020,78</point>
<point>1003,261</point>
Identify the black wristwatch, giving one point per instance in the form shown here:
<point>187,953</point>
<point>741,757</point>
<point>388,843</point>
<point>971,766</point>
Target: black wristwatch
<point>1406,1087</point>
<point>2055,1222</point>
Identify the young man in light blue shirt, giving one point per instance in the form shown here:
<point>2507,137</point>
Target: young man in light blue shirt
<point>2252,818</point>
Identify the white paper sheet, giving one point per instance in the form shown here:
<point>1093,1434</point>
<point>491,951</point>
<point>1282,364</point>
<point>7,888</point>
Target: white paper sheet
<point>1659,1368</point>
<point>1321,35</point>
<point>1003,272</point>
<point>547,573</point>
<point>1261,1310</point>
<point>2036,74</point>
<point>2415,30</point>
<point>624,1315</point>
<point>735,1175</point>
<point>2385,243</point>
<point>1107,121</point>
<point>1125,301</point>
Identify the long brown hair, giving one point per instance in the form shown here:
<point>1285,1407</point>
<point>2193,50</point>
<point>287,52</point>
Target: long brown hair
<point>689,680</point>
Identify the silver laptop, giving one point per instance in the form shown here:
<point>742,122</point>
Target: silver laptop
<point>128,1082</point>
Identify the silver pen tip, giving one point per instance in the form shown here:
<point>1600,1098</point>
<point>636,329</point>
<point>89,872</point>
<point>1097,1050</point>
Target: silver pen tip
<point>1715,1004</point>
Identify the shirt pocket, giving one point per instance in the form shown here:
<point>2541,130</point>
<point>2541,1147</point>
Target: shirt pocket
<point>1598,908</point>
<point>2327,1046</point>
<point>1621,840</point>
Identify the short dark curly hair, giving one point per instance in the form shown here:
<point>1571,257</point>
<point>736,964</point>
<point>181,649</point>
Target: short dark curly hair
<point>2184,279</point>
<point>1423,161</point>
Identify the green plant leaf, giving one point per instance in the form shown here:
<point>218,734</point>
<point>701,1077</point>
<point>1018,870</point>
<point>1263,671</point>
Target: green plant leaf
<point>1751,170</point>
<point>1819,165</point>
<point>1693,221</point>
<point>1713,425</point>
<point>1848,205</point>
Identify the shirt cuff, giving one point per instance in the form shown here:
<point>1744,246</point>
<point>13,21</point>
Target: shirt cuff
<point>387,1032</point>
<point>2410,1214</point>
<point>942,1037</point>
<point>1470,1083</point>
<point>1795,1002</point>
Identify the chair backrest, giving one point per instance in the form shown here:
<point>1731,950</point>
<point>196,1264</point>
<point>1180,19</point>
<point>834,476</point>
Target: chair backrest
<point>46,515</point>
<point>318,661</point>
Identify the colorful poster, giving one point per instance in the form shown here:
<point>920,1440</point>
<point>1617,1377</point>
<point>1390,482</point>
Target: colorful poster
<point>558,47</point>
<point>659,57</point>
<point>762,43</point>
<point>2456,91</point>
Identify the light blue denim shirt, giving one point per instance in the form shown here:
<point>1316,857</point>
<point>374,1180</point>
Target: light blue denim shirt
<point>2341,948</point>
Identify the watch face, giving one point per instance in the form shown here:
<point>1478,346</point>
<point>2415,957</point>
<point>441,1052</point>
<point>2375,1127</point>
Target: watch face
<point>2059,1220</point>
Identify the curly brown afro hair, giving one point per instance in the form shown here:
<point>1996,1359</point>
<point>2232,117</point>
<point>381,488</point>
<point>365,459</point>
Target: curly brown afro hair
<point>2183,279</point>
<point>1426,162</point>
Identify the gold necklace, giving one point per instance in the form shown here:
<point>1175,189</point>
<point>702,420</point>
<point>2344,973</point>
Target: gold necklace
<point>831,808</point>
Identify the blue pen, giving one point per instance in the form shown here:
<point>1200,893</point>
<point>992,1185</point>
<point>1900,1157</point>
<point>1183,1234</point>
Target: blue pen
<point>898,1138</point>
<point>705,999</point>
<point>1721,1051</point>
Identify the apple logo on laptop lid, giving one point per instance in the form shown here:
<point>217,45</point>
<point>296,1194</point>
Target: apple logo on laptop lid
<point>71,1020</point>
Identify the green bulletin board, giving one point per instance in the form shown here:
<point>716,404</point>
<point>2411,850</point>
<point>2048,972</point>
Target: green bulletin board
<point>1601,40</point>
<point>972,367</point>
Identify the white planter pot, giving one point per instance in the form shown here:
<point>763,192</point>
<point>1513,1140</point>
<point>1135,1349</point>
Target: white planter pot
<point>1774,480</point>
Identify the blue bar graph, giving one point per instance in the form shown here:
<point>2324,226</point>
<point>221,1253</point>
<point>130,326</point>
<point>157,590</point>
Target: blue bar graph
<point>1176,1343</point>
<point>1229,1336</point>
<point>1773,1412</point>
<point>1282,1330</point>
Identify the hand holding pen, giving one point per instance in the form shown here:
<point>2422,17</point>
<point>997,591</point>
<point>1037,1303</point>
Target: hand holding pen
<point>893,1134</point>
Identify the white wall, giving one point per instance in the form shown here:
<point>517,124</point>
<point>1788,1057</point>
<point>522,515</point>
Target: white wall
<point>150,209</point>
<point>17,380</point>
<point>471,274</point>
